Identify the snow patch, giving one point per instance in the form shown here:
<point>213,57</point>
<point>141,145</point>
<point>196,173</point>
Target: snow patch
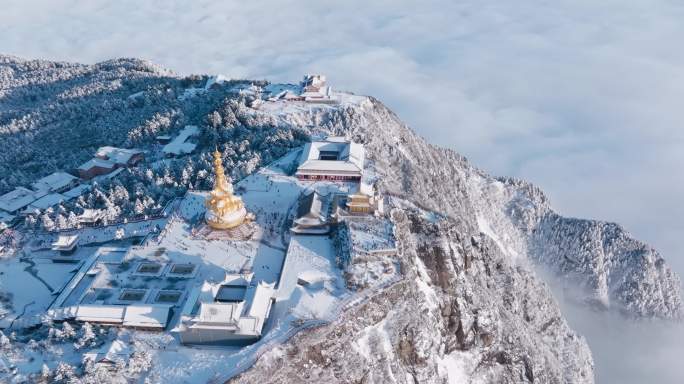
<point>423,281</point>
<point>486,228</point>
<point>457,367</point>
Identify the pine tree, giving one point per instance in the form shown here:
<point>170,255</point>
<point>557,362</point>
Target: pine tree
<point>139,207</point>
<point>87,337</point>
<point>61,221</point>
<point>47,222</point>
<point>5,342</point>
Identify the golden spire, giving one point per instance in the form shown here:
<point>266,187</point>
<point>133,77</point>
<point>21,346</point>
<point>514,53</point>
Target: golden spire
<point>224,210</point>
<point>220,183</point>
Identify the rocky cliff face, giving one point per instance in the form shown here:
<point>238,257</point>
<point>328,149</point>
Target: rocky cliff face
<point>464,311</point>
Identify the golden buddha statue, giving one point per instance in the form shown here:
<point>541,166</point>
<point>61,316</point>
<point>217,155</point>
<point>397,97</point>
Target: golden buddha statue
<point>224,210</point>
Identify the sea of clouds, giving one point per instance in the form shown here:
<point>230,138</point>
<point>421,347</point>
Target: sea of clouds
<point>584,98</point>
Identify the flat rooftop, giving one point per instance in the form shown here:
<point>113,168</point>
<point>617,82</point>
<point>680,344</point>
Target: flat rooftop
<point>231,293</point>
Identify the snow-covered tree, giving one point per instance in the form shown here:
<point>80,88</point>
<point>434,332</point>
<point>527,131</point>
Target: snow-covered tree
<point>5,342</point>
<point>47,222</point>
<point>64,373</point>
<point>67,332</point>
<point>139,207</point>
<point>88,337</point>
<point>45,372</point>
<point>61,221</point>
<point>140,361</point>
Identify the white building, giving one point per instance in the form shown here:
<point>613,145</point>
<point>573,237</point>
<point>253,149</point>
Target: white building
<point>180,145</point>
<point>95,167</point>
<point>65,243</point>
<point>19,198</point>
<point>316,90</point>
<point>77,191</point>
<point>45,202</point>
<point>121,157</point>
<point>101,314</point>
<point>153,317</point>
<point>233,311</point>
<point>332,159</point>
<point>56,182</point>
<point>107,159</point>
<point>90,216</point>
<point>313,82</point>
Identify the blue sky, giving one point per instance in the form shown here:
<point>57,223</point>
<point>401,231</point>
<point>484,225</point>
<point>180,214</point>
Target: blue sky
<point>580,97</point>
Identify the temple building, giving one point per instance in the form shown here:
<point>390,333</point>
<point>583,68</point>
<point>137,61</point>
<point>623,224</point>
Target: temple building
<point>232,312</point>
<point>359,203</point>
<point>316,90</point>
<point>334,158</point>
<point>224,210</point>
<point>311,217</point>
<point>65,244</point>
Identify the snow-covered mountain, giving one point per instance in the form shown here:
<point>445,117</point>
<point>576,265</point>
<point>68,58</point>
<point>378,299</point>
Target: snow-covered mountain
<point>614,269</point>
<point>470,305</point>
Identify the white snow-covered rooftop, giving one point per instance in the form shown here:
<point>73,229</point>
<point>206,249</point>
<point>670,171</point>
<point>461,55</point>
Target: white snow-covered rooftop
<point>77,191</point>
<point>108,176</point>
<point>315,80</point>
<point>6,217</point>
<point>310,215</point>
<point>333,155</point>
<point>179,146</point>
<point>90,215</point>
<point>96,162</point>
<point>112,314</point>
<point>117,155</point>
<point>260,304</point>
<point>19,198</point>
<point>315,89</point>
<point>54,182</point>
<point>232,320</point>
<point>47,201</point>
<point>217,313</point>
<point>146,316</point>
<point>310,207</point>
<point>65,242</point>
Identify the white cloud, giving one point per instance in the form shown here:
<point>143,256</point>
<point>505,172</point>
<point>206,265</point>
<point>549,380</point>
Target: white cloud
<point>581,97</point>
<point>626,351</point>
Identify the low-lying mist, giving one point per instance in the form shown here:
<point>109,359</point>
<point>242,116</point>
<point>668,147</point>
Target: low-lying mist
<point>625,350</point>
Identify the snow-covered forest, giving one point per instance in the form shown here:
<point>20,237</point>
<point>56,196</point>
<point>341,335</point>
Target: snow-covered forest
<point>54,116</point>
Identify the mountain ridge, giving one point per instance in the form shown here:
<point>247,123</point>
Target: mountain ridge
<point>470,295</point>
